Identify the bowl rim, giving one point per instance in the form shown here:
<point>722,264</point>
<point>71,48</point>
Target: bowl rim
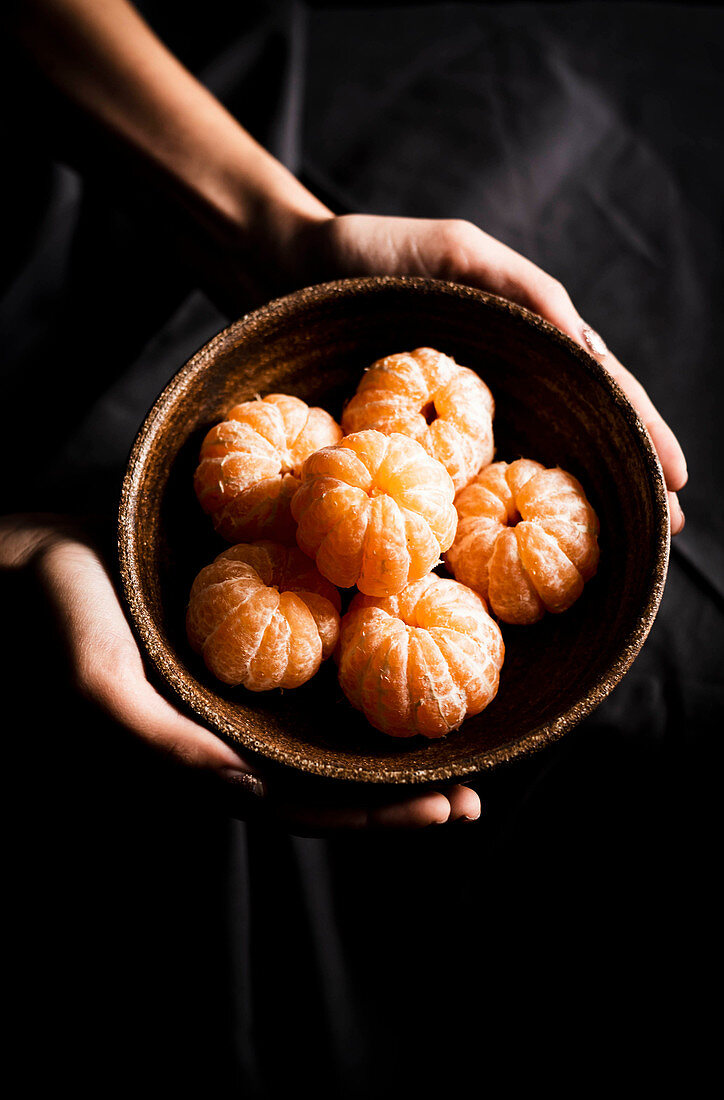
<point>171,669</point>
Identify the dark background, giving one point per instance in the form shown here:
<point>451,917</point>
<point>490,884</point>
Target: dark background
<point>567,936</point>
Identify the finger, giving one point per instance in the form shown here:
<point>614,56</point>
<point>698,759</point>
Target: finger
<point>146,714</point>
<point>417,812</point>
<point>558,309</point>
<point>412,812</point>
<point>677,518</point>
<point>107,665</point>
<point>508,273</point>
<point>667,446</point>
<point>464,803</point>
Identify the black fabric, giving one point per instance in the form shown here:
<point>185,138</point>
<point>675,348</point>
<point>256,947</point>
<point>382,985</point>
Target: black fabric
<point>162,945</point>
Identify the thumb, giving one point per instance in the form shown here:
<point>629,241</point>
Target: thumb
<point>107,667</point>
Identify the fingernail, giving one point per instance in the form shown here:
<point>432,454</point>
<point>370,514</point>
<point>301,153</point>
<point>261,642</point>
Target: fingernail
<point>595,342</point>
<point>250,784</point>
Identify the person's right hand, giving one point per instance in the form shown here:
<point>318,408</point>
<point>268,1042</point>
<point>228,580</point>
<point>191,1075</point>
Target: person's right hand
<point>107,670</point>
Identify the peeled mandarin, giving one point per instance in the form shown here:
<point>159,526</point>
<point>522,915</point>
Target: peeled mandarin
<point>250,463</point>
<point>422,661</point>
<point>261,616</point>
<point>426,395</point>
<point>375,510</point>
<point>527,539</point>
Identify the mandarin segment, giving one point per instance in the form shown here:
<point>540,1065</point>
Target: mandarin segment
<point>427,396</point>
<point>261,616</point>
<point>421,661</point>
<point>511,592</point>
<point>375,511</point>
<point>249,465</point>
<point>527,539</point>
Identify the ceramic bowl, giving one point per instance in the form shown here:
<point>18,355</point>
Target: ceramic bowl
<point>554,403</point>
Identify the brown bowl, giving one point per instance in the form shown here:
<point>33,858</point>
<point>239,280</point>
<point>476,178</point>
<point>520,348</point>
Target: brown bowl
<point>554,403</point>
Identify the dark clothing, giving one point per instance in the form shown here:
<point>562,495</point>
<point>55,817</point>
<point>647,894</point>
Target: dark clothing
<point>165,946</point>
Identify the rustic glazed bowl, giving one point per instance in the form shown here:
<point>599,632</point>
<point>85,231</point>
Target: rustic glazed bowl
<point>554,403</point>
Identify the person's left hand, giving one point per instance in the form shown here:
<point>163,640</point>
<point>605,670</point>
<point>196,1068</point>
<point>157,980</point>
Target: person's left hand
<point>362,244</point>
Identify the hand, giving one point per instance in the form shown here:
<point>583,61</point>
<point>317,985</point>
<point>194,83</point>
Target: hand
<point>359,244</point>
<point>107,669</point>
<point>254,229</point>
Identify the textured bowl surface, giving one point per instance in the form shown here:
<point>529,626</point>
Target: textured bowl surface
<point>554,403</point>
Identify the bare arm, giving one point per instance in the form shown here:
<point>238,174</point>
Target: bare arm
<point>274,234</point>
<point>157,117</point>
<point>267,232</point>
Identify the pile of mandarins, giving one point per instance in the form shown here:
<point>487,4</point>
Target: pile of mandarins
<point>373,504</point>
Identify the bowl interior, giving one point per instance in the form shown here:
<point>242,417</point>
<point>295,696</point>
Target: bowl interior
<point>553,403</point>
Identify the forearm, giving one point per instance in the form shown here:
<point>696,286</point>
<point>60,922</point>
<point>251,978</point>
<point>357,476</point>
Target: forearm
<point>104,58</point>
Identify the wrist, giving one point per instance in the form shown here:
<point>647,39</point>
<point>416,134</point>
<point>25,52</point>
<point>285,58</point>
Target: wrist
<point>27,538</point>
<point>263,216</point>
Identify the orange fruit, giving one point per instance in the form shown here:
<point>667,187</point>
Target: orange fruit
<point>250,463</point>
<point>260,615</point>
<point>428,396</point>
<point>527,539</point>
<point>375,510</point>
<point>421,661</point>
